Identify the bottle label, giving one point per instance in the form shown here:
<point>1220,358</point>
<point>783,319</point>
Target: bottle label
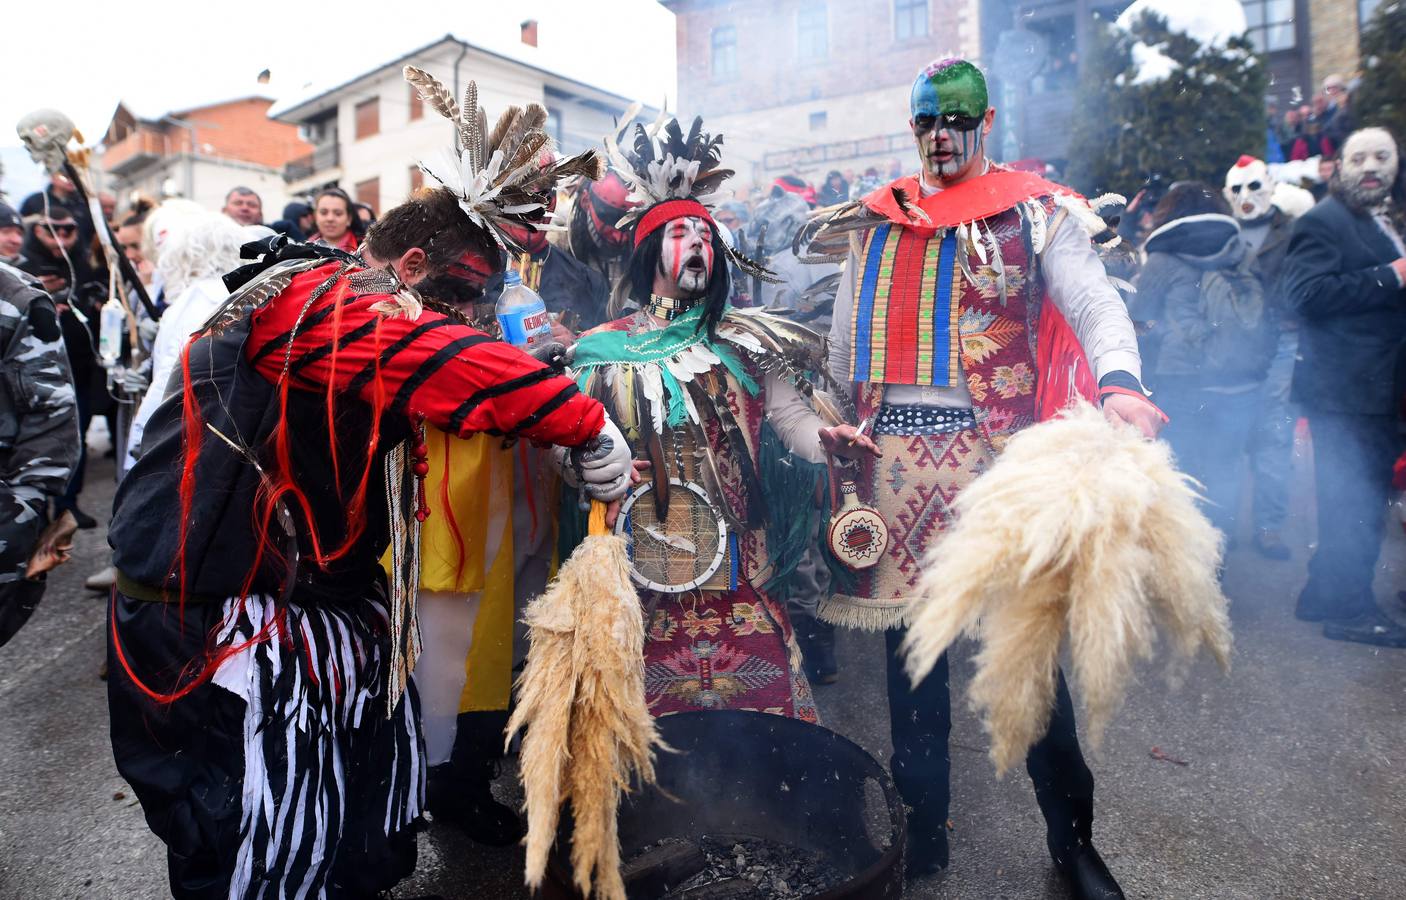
<point>525,326</point>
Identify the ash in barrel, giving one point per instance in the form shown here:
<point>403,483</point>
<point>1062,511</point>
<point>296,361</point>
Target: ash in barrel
<point>729,868</point>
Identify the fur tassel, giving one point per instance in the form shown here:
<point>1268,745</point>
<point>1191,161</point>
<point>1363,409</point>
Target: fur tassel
<point>581,697</point>
<point>1079,528</point>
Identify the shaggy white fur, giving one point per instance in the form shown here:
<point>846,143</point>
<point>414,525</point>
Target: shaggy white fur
<point>1079,527</point>
<point>581,697</point>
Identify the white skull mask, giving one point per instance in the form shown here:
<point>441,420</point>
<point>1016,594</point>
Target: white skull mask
<point>1249,189</point>
<point>45,133</point>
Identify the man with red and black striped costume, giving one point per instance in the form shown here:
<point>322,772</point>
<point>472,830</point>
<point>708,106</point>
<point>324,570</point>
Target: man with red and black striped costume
<point>259,696</point>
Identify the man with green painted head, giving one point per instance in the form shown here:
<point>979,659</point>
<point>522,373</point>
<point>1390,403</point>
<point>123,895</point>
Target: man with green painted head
<point>973,306</point>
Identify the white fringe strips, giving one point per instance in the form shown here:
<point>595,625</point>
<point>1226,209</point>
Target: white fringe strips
<point>1080,527</point>
<point>581,699</point>
<point>324,770</point>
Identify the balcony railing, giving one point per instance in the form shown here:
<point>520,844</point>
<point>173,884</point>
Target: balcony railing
<point>316,161</point>
<point>133,151</point>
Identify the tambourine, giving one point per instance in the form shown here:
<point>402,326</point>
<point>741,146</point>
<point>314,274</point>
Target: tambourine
<point>858,536</point>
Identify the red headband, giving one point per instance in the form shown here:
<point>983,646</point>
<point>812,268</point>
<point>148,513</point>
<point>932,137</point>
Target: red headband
<point>668,211</point>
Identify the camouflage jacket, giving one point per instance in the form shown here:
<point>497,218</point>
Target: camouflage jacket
<point>38,416</point>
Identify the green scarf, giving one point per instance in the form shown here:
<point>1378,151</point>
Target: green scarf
<point>654,348</point>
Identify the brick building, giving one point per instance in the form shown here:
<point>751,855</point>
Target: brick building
<point>201,153</point>
<point>806,86</point>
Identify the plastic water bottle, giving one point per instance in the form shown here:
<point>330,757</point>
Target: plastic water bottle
<point>111,324</point>
<point>522,316</point>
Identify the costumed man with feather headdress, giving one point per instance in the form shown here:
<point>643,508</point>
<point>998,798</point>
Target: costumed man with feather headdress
<point>594,236</point>
<point>260,698</point>
<point>950,323</point>
<point>716,403</point>
<point>486,543</point>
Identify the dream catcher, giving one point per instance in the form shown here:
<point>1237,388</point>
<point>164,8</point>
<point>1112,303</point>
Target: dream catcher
<point>681,552</point>
<point>679,538</point>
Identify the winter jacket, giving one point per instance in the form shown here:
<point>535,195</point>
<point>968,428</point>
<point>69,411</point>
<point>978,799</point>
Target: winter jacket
<point>1201,300</point>
<point>1352,310</point>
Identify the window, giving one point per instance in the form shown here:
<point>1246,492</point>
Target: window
<point>910,19</point>
<point>417,178</point>
<point>812,32</point>
<point>1271,24</point>
<point>368,118</point>
<point>369,192</point>
<point>553,124</point>
<point>725,52</point>
<point>1365,8</point>
<point>417,106</point>
<point>818,120</point>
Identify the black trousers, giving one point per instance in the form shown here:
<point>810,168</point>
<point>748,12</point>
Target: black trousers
<point>1352,462</point>
<point>920,721</point>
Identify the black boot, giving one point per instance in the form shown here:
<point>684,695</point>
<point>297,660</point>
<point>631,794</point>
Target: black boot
<point>1088,877</point>
<point>927,850</point>
<point>460,791</point>
<point>817,640</point>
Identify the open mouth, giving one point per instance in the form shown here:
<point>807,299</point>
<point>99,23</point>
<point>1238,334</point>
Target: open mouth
<point>1247,208</point>
<point>695,264</point>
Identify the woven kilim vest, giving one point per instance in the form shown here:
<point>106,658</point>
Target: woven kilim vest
<point>918,319</point>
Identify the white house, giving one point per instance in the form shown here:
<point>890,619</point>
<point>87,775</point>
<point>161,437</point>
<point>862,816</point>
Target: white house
<point>368,132</point>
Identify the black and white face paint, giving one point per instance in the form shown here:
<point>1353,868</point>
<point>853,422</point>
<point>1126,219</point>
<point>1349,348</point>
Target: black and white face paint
<point>949,144</point>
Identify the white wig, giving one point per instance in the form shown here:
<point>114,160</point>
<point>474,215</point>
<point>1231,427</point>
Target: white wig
<point>194,244</point>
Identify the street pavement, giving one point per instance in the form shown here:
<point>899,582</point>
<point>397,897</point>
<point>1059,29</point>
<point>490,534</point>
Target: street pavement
<point>1292,785</point>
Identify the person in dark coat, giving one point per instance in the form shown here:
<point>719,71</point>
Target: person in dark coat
<point>296,222</point>
<point>1344,275</point>
<point>38,436</point>
<point>1208,340</point>
<point>834,190</point>
<point>57,257</point>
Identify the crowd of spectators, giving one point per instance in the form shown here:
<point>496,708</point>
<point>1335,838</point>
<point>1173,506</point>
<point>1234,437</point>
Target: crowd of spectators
<point>1317,128</point>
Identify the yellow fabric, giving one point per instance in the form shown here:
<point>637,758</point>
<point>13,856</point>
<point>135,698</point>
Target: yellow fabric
<point>489,666</point>
<point>480,475</point>
<point>469,471</point>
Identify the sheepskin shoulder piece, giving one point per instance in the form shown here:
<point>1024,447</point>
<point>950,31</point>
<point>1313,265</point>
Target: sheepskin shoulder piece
<point>1080,528</point>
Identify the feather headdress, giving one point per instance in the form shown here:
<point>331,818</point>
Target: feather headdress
<point>665,165</point>
<point>498,175</point>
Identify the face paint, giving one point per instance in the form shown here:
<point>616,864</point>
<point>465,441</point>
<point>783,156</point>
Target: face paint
<point>686,257</point>
<point>1368,167</point>
<point>947,150</point>
<point>1249,189</point>
<point>948,104</point>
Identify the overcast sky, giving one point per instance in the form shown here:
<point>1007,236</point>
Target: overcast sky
<point>83,56</point>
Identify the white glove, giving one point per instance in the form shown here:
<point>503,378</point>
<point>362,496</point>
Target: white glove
<point>602,465</point>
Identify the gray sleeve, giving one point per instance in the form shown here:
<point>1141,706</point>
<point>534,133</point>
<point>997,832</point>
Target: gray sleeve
<point>1080,290</point>
<point>793,420</point>
<point>841,323</point>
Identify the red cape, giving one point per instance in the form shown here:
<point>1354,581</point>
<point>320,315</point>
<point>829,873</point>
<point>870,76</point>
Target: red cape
<point>987,195</point>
